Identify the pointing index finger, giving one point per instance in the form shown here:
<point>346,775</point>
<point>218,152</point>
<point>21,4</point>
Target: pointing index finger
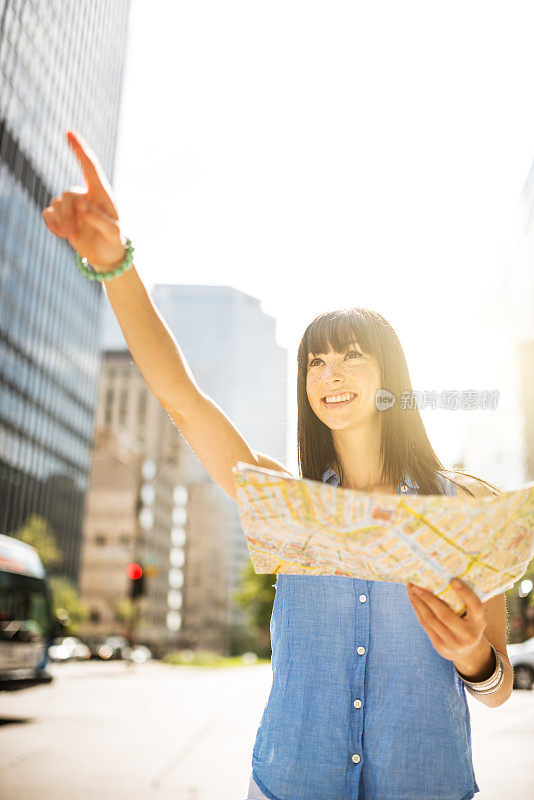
<point>88,161</point>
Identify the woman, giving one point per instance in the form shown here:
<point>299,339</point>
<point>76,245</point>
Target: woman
<point>370,668</point>
<point>368,697</point>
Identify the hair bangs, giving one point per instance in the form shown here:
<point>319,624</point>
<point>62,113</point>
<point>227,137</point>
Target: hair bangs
<point>336,331</point>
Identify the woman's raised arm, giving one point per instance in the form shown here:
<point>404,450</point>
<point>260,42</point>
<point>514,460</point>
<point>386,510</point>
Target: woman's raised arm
<point>88,218</point>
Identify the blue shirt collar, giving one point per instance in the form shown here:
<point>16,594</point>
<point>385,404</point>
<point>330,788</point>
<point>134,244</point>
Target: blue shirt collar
<point>331,477</point>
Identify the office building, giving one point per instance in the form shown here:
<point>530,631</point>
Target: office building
<point>60,67</point>
<point>230,344</point>
<point>500,444</point>
<point>149,504</point>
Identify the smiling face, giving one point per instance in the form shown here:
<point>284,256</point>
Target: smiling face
<point>352,377</point>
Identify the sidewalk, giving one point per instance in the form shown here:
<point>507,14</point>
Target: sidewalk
<point>112,732</point>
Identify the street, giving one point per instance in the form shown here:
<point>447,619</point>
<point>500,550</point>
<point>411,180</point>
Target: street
<point>110,730</point>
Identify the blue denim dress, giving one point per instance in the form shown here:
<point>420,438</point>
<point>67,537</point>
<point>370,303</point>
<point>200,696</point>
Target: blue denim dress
<point>361,705</point>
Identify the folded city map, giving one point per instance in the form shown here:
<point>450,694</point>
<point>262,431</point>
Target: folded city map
<point>306,527</point>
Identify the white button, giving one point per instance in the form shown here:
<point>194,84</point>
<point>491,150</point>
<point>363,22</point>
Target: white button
<point>356,758</point>
<point>357,704</point>
<point>404,488</point>
<point>360,650</point>
<point>363,598</point>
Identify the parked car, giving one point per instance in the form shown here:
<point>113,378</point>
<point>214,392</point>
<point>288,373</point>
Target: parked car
<point>139,653</point>
<point>68,648</point>
<point>117,647</point>
<point>112,647</point>
<point>93,645</point>
<point>521,657</point>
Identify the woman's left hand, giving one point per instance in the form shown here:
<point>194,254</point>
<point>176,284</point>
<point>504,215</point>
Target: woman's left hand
<point>454,637</point>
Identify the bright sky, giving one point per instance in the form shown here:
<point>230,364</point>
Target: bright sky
<point>322,155</point>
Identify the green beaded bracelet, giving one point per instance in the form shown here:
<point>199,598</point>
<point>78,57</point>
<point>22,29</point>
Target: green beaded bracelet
<point>93,275</point>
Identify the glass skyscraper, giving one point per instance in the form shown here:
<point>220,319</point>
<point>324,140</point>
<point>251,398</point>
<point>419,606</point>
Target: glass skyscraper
<point>61,67</point>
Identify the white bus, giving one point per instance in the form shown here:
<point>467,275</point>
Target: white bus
<point>27,625</point>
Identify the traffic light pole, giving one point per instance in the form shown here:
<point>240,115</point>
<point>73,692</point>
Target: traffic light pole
<point>136,575</point>
<point>136,593</point>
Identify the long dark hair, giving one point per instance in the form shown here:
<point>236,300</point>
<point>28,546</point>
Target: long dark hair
<point>404,445</point>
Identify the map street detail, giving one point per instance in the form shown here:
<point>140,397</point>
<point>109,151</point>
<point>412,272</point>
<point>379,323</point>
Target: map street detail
<point>301,526</point>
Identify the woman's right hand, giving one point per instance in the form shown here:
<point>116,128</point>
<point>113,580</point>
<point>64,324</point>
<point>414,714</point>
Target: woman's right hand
<point>87,216</point>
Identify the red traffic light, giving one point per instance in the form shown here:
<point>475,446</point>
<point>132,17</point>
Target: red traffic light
<point>134,571</point>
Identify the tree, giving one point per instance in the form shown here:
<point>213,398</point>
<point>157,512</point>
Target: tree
<point>66,602</point>
<point>520,613</point>
<point>256,596</point>
<point>67,605</point>
<point>127,613</point>
<point>37,532</point>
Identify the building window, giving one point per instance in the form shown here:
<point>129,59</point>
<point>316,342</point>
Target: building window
<point>141,406</point>
<point>141,413</point>
<point>109,406</point>
<point>100,540</point>
<point>125,540</point>
<point>123,406</point>
<point>94,615</point>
